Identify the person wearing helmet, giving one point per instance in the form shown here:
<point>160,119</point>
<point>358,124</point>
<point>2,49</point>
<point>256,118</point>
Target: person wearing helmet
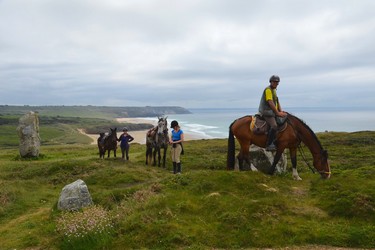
<point>270,108</point>
<point>125,138</point>
<point>176,139</point>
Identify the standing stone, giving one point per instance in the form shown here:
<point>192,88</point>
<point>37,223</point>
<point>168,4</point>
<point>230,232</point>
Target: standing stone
<point>28,132</point>
<point>262,160</point>
<point>74,196</point>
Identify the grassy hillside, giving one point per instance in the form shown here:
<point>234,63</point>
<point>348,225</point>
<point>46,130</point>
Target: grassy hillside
<point>56,130</point>
<point>60,124</point>
<point>204,208</point>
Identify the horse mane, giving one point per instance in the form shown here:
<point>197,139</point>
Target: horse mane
<point>308,128</point>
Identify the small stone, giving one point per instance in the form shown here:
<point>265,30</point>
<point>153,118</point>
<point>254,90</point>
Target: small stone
<point>74,196</point>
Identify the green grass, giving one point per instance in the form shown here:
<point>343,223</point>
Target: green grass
<point>57,130</point>
<point>204,208</point>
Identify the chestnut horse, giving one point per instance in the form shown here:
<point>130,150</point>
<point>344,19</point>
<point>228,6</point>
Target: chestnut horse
<point>295,132</point>
<point>156,139</point>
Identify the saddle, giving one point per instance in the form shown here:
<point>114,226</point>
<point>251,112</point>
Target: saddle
<point>259,126</point>
<point>102,138</point>
<point>152,132</point>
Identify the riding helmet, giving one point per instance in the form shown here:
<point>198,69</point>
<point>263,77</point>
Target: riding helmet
<point>174,124</point>
<point>125,129</point>
<point>274,78</point>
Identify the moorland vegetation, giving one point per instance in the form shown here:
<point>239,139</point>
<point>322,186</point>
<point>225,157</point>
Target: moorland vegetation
<point>207,207</point>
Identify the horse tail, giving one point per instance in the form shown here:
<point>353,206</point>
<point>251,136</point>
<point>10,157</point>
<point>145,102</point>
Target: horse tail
<point>231,149</point>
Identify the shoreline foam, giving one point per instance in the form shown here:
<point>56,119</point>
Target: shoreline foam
<point>140,135</point>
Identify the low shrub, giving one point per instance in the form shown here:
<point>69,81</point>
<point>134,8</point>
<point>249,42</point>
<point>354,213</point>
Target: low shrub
<point>90,228</point>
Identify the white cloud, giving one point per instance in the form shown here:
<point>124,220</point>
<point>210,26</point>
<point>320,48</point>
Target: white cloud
<point>197,53</point>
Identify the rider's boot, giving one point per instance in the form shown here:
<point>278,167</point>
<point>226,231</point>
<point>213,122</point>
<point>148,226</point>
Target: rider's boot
<point>271,140</point>
<point>179,168</point>
<point>174,167</point>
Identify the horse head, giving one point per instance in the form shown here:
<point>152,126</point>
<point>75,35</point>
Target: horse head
<point>305,134</point>
<point>112,136</point>
<point>322,165</point>
<point>162,125</point>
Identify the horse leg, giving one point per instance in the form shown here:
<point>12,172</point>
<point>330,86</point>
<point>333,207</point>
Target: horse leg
<point>149,155</point>
<point>164,155</point>
<point>154,156</point>
<point>276,159</point>
<point>293,159</point>
<point>244,155</point>
<point>146,156</point>
<point>114,152</point>
<point>159,157</point>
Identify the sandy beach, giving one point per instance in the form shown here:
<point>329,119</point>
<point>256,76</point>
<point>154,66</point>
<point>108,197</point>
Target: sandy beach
<point>140,135</point>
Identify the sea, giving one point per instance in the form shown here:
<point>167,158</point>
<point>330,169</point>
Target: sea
<point>210,123</point>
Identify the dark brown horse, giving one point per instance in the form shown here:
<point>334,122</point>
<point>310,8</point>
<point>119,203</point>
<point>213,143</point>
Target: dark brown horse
<point>296,132</point>
<point>108,143</point>
<point>156,139</point>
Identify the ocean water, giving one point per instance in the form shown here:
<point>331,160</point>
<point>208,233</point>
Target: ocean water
<point>214,123</point>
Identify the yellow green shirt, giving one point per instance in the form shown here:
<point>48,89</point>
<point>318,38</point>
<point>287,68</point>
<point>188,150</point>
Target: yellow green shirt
<point>270,94</point>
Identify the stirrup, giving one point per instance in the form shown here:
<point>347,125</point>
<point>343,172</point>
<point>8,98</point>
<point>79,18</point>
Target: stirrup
<point>271,147</point>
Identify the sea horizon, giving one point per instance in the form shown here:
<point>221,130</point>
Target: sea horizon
<point>211,123</point>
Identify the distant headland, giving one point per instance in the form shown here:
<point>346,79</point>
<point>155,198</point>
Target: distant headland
<point>90,111</point>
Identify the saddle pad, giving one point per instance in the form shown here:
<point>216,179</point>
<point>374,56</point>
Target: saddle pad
<point>151,132</point>
<point>252,123</point>
<point>258,126</point>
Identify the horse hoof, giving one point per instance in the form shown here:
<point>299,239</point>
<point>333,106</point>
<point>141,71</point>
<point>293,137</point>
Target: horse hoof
<point>297,178</point>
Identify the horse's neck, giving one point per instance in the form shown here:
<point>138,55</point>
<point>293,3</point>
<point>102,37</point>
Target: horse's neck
<point>113,137</point>
<point>308,138</point>
<point>162,137</point>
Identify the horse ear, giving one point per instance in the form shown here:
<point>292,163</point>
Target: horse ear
<point>166,117</point>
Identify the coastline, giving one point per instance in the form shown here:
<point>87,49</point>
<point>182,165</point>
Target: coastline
<point>140,135</point>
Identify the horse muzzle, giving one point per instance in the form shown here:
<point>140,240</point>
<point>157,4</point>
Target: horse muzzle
<point>325,175</point>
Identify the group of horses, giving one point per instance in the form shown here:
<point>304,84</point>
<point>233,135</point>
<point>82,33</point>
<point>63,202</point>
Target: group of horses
<point>295,133</point>
<point>156,139</point>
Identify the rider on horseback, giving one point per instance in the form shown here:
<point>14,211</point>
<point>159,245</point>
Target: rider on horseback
<point>270,108</point>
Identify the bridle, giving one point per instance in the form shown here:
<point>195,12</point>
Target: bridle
<point>300,149</point>
<point>164,127</point>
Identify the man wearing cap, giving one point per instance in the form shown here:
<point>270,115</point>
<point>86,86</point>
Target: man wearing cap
<point>270,108</point>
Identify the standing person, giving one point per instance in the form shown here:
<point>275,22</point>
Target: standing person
<point>270,108</point>
<point>176,140</point>
<point>125,138</point>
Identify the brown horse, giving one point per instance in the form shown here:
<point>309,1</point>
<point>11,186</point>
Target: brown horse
<point>295,132</point>
<point>108,143</point>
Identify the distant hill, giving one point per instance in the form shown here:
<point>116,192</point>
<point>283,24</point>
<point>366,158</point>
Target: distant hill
<point>93,111</point>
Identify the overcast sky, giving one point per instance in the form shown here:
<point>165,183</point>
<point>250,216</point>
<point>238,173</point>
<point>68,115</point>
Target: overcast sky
<point>193,53</point>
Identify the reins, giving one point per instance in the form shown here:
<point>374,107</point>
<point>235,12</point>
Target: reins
<point>300,149</point>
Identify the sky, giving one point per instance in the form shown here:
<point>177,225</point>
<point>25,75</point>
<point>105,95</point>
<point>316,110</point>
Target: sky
<point>189,53</point>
